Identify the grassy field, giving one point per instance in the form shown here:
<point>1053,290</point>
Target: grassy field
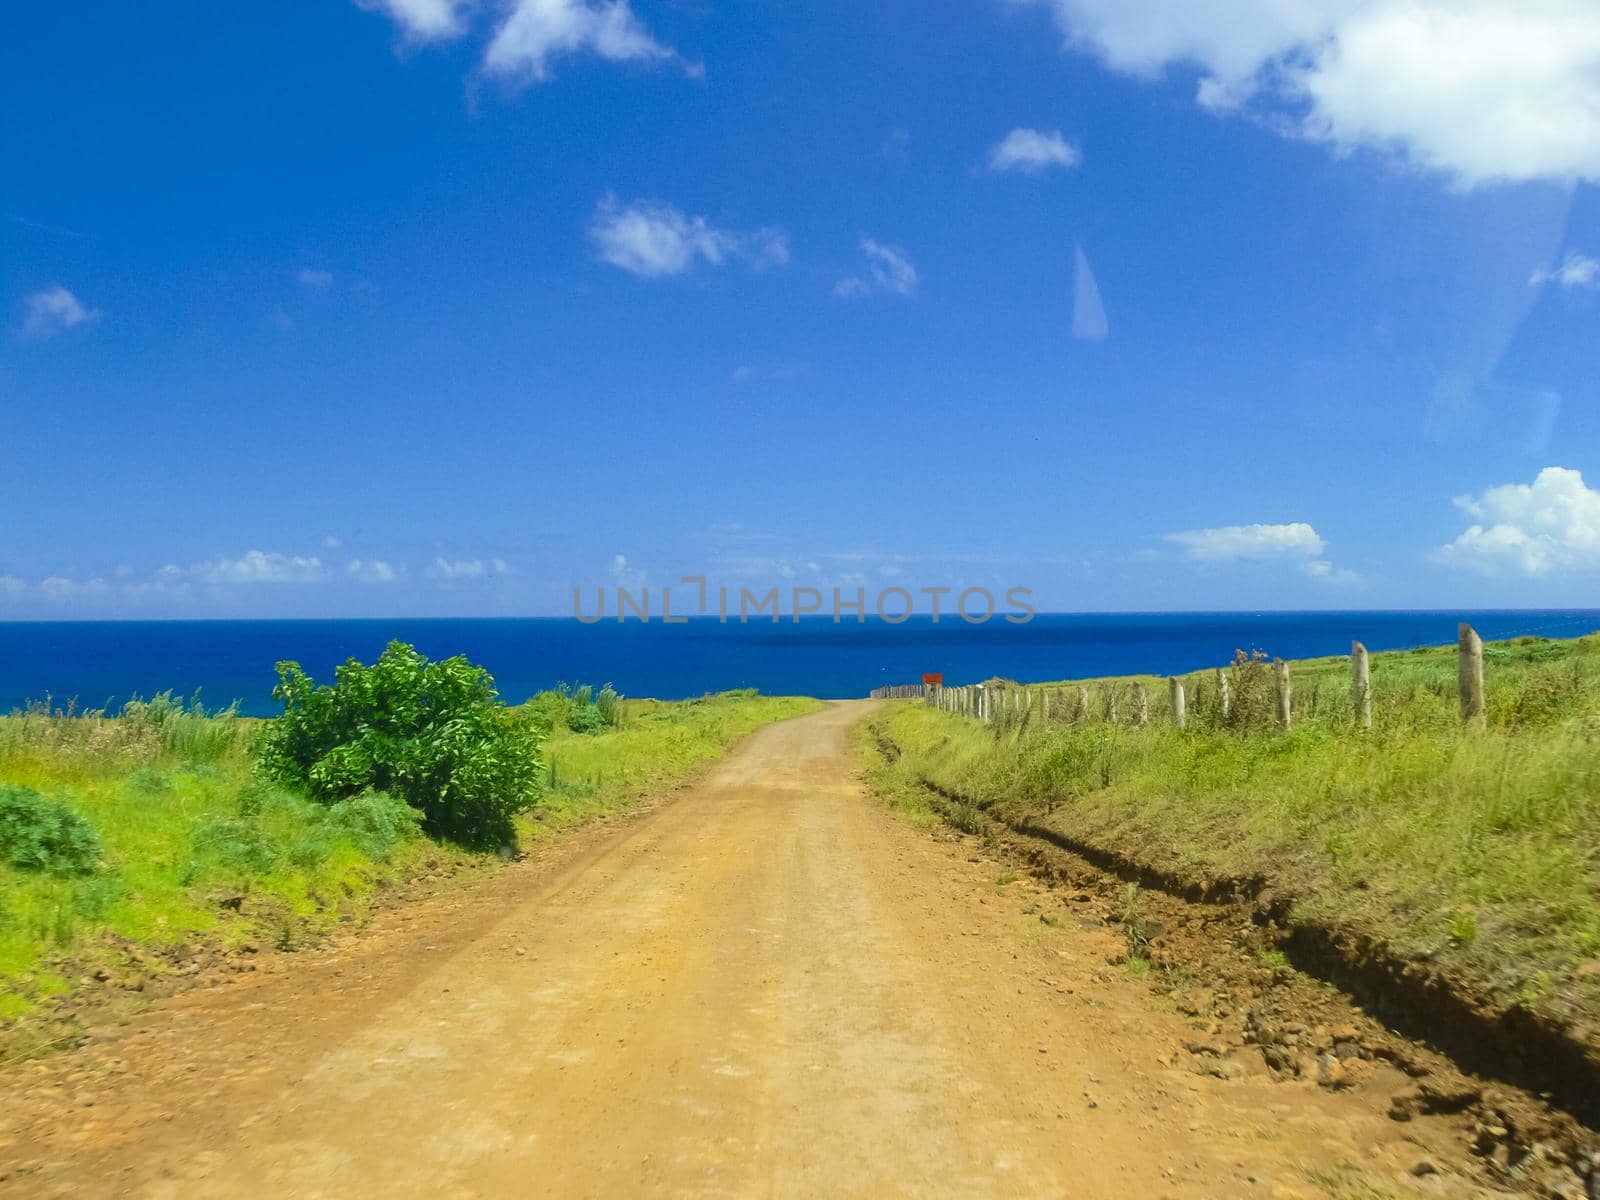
<point>1478,852</point>
<point>657,744</point>
<point>192,848</point>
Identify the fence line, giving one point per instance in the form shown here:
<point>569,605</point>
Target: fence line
<point>900,691</point>
<point>987,702</point>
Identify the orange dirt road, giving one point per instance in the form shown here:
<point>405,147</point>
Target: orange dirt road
<point>765,986</point>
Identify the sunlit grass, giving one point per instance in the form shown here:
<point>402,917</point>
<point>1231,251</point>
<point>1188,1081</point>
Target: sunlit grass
<point>1478,851</point>
<point>197,849</point>
<point>657,744</point>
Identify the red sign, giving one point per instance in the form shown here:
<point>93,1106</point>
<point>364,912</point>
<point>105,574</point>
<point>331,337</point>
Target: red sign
<point>933,679</point>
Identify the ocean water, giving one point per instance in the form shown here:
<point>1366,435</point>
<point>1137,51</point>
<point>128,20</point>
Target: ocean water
<point>101,664</point>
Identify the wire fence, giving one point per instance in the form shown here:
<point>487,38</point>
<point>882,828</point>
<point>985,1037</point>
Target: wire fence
<point>1254,692</point>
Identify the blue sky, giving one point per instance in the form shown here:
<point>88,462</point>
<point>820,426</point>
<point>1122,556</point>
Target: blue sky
<point>427,308</point>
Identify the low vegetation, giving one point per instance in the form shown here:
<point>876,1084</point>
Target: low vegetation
<point>129,842</point>
<point>653,745</point>
<point>433,735</point>
<point>1475,851</point>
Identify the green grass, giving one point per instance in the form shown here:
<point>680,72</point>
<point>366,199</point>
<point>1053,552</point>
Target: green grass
<point>197,851</point>
<point>184,828</point>
<point>1479,852</point>
<point>658,744</point>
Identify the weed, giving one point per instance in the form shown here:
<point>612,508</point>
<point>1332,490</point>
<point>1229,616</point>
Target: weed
<point>40,834</point>
<point>1135,932</point>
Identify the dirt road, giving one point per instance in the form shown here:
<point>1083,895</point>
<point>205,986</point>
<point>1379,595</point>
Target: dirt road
<point>765,987</point>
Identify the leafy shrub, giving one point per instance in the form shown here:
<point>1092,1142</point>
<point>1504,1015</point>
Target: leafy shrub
<point>311,851</point>
<point>40,834</point>
<point>238,843</point>
<point>580,709</point>
<point>432,734</point>
<point>375,823</point>
<point>585,718</point>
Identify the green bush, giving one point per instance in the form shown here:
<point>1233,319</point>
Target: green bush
<point>431,734</point>
<point>585,718</point>
<point>238,843</point>
<point>40,834</point>
<point>580,709</point>
<point>375,823</point>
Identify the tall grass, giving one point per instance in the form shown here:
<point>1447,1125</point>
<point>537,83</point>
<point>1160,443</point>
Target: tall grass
<point>1477,850</point>
<point>169,791</point>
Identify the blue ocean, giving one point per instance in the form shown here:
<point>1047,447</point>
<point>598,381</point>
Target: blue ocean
<point>101,664</point>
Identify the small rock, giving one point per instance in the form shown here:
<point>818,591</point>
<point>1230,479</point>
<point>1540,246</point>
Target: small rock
<point>1217,1068</point>
<point>1330,1071</point>
<point>1424,1167</point>
<point>1281,1058</point>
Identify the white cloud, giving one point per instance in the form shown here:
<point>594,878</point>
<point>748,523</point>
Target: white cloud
<point>1549,526</point>
<point>467,568</point>
<point>256,566</point>
<point>1230,542</point>
<point>59,587</point>
<point>782,372</point>
<point>1576,270</point>
<point>537,31</point>
<point>1483,90</point>
<point>626,576</point>
<point>1088,313</point>
<point>54,310</point>
<point>651,239</point>
<point>424,20</point>
<point>1324,571</point>
<point>310,277</point>
<point>332,541</point>
<point>371,570</point>
<point>888,270</point>
<point>10,585</point>
<point>1032,151</point>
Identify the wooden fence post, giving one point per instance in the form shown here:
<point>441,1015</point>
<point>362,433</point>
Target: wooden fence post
<point>1111,703</point>
<point>1224,698</point>
<point>1141,705</point>
<point>1180,705</point>
<point>1361,685</point>
<point>1473,713</point>
<point>1280,676</point>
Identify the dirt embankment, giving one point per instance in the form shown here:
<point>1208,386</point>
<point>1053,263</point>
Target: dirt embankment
<point>1522,1097</point>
